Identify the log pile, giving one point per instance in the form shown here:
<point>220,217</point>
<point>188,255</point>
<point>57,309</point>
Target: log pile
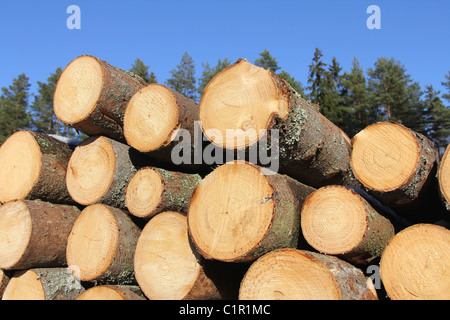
<point>296,211</point>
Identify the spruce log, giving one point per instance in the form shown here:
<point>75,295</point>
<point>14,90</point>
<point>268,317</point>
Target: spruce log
<point>33,166</point>
<point>152,190</point>
<point>34,234</point>
<point>43,284</point>
<point>4,279</point>
<point>91,96</point>
<point>444,178</point>
<point>336,220</point>
<point>415,264</point>
<point>291,274</point>
<point>237,213</point>
<point>244,103</point>
<point>99,171</point>
<point>168,266</point>
<point>112,292</point>
<point>393,162</point>
<point>101,246</point>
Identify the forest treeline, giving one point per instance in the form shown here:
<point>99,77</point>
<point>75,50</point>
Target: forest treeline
<point>351,99</point>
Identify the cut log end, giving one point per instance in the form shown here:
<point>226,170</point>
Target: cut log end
<point>15,232</point>
<point>289,274</point>
<point>92,243</point>
<point>444,178</point>
<point>78,90</point>
<point>25,285</point>
<point>165,264</point>
<point>144,192</point>
<point>415,263</point>
<point>111,292</point>
<point>151,118</point>
<point>20,165</point>
<point>244,99</point>
<point>385,156</point>
<point>91,170</point>
<point>229,227</point>
<point>334,220</point>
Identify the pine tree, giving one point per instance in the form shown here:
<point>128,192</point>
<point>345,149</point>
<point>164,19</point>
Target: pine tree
<point>209,73</point>
<point>13,107</point>
<point>317,78</point>
<point>446,84</point>
<point>437,118</point>
<point>266,61</point>
<point>183,77</point>
<point>139,68</point>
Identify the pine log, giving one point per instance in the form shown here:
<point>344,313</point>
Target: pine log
<point>244,103</point>
<point>91,96</point>
<point>101,246</point>
<point>4,279</point>
<point>291,274</point>
<point>99,171</point>
<point>237,213</point>
<point>415,264</point>
<point>393,162</point>
<point>444,178</point>
<point>154,116</point>
<point>34,234</point>
<point>168,266</point>
<point>112,292</point>
<point>336,220</point>
<point>33,166</point>
<point>153,190</point>
<point>43,284</point>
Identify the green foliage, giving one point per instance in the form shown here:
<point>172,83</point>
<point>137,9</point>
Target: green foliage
<point>446,84</point>
<point>139,68</point>
<point>14,115</point>
<point>209,73</point>
<point>267,62</point>
<point>183,77</point>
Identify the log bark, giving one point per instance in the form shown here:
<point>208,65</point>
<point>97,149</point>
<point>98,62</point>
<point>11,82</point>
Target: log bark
<point>153,190</point>
<point>101,246</point>
<point>336,220</point>
<point>4,279</point>
<point>33,166</point>
<point>444,178</point>
<point>291,274</point>
<point>43,284</point>
<point>168,266</point>
<point>245,103</point>
<point>415,263</point>
<point>393,162</point>
<point>237,213</point>
<point>91,96</point>
<point>112,292</point>
<point>34,234</point>
<point>100,170</point>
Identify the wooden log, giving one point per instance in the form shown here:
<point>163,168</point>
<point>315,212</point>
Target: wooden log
<point>112,292</point>
<point>393,162</point>
<point>244,103</point>
<point>291,274</point>
<point>415,264</point>
<point>33,166</point>
<point>153,190</point>
<point>168,267</point>
<point>91,96</point>
<point>43,284</point>
<point>99,171</point>
<point>237,213</point>
<point>444,178</point>
<point>34,234</point>
<point>101,246</point>
<point>336,220</point>
<point>4,279</point>
<point>153,117</point>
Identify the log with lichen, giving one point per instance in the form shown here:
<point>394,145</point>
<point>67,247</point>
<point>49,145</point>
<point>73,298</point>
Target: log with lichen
<point>240,211</point>
<point>245,105</point>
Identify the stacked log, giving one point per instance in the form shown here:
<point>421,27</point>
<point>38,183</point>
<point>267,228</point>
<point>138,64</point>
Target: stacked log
<point>118,217</point>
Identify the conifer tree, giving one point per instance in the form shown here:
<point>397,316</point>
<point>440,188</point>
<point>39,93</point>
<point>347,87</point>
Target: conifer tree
<point>139,68</point>
<point>183,77</point>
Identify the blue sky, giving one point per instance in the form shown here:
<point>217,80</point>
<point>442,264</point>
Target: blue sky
<point>35,39</point>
